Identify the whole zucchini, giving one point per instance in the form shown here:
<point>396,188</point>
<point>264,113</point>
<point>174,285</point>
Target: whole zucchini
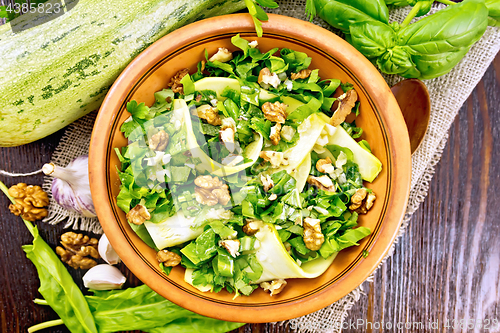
<point>56,72</point>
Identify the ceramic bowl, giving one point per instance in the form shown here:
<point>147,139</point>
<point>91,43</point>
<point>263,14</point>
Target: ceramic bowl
<point>380,117</point>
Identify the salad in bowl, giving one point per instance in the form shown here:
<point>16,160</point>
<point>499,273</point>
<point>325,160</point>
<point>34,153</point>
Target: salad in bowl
<point>246,172</point>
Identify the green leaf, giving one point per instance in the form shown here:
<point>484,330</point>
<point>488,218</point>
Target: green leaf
<point>141,308</point>
<point>58,288</point>
<point>201,249</point>
<point>455,27</point>
<point>372,38</point>
<point>351,237</point>
<point>493,12</point>
<point>298,244</point>
<point>240,43</point>
<point>341,13</point>
<point>187,85</point>
<point>398,61</point>
<point>143,234</point>
<point>267,3</point>
<point>139,111</point>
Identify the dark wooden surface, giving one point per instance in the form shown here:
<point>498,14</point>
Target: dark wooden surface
<point>444,269</point>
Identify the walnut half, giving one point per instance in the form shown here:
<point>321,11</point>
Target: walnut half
<point>313,237</point>
<point>346,103</point>
<point>211,190</point>
<point>274,287</point>
<point>138,215</point>
<point>159,141</point>
<point>175,82</point>
<point>367,204</point>
<point>76,250</point>
<point>210,114</point>
<point>168,258</point>
<point>323,182</point>
<point>275,111</point>
<point>302,74</point>
<point>29,201</point>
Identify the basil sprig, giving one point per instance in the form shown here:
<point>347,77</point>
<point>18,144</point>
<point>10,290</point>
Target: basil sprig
<point>426,49</point>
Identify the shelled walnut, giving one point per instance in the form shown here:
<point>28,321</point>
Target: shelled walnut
<point>357,198</point>
<point>346,103</point>
<point>210,114</point>
<point>313,237</point>
<point>210,191</point>
<point>274,287</point>
<point>275,112</point>
<point>30,201</point>
<point>76,250</point>
<point>138,215</point>
<point>168,258</point>
<point>175,82</point>
<point>367,204</point>
<point>302,74</point>
<point>159,141</point>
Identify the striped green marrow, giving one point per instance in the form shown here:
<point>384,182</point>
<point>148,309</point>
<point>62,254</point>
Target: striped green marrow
<point>54,73</point>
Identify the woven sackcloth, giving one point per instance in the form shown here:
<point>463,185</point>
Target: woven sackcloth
<point>447,92</point>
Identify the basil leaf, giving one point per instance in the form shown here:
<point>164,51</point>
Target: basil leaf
<point>455,27</point>
<point>493,12</point>
<point>372,38</point>
<point>398,61</point>
<point>341,13</point>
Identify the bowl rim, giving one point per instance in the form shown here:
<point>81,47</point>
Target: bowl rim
<point>292,28</point>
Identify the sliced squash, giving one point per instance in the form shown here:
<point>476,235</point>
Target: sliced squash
<point>369,165</point>
<point>250,152</point>
<point>173,231</point>
<point>218,84</point>
<point>277,263</point>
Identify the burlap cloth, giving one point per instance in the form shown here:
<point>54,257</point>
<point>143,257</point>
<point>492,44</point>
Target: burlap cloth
<point>447,92</point>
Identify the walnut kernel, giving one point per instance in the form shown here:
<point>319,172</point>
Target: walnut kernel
<point>346,103</point>
<point>323,182</point>
<point>325,165</point>
<point>159,141</point>
<point>168,258</point>
<point>211,190</point>
<point>138,215</point>
<point>275,111</point>
<point>268,78</point>
<point>29,201</point>
<point>227,132</point>
<point>251,227</point>
<point>302,74</point>
<point>274,287</point>
<point>232,246</point>
<point>275,135</point>
<point>357,198</point>
<point>76,250</point>
<point>313,237</point>
<point>367,204</point>
<point>175,82</point>
<point>267,182</point>
<point>210,114</point>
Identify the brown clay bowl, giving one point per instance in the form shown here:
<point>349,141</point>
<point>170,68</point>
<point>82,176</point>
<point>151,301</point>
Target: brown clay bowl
<point>380,117</point>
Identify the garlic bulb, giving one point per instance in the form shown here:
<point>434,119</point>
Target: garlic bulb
<point>103,277</point>
<point>107,252</point>
<point>70,187</point>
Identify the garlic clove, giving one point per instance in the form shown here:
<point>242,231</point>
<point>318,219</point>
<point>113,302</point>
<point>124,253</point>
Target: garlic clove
<point>107,252</point>
<point>103,277</point>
